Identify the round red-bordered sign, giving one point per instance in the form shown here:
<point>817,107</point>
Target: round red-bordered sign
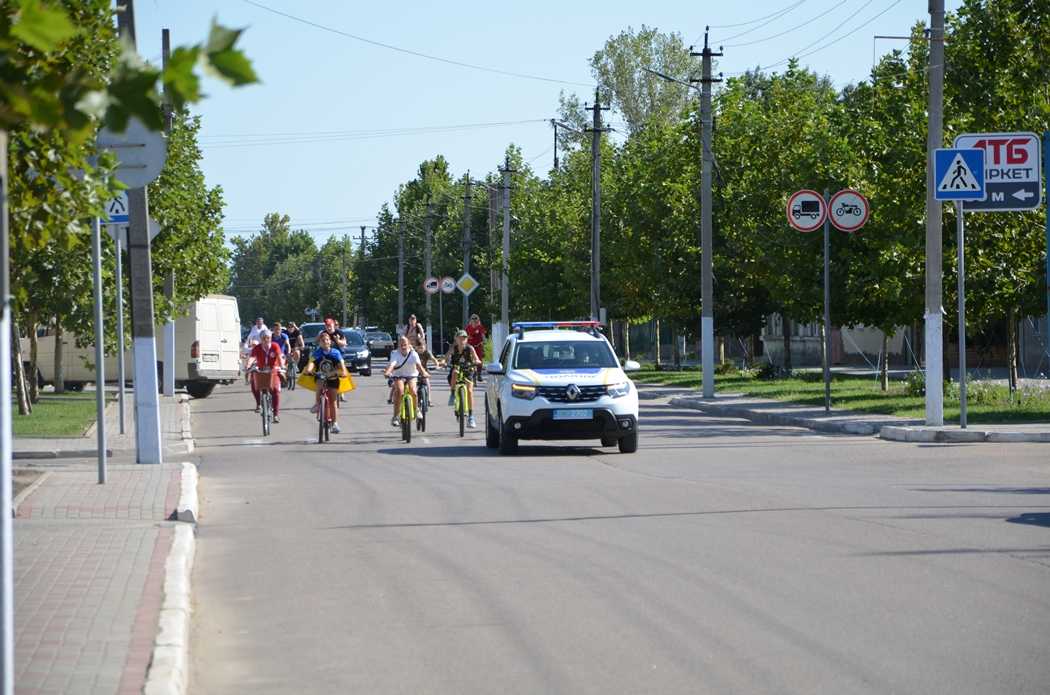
<point>848,210</point>
<point>806,210</point>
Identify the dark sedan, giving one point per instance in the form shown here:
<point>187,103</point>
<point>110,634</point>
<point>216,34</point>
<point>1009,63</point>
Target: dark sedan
<point>355,353</point>
<point>380,343</point>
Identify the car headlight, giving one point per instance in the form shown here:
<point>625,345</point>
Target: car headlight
<point>362,353</point>
<point>619,390</point>
<point>526,391</point>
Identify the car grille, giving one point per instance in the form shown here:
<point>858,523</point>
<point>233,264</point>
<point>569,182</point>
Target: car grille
<point>558,394</point>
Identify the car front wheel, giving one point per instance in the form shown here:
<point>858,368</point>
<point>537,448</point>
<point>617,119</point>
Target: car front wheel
<point>491,433</point>
<point>629,443</point>
<point>508,442</point>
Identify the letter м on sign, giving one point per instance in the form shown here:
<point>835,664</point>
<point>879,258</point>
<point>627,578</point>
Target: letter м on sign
<point>1012,173</point>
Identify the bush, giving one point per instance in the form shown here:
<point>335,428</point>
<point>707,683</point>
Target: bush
<point>915,384</point>
<point>727,369</point>
<point>770,371</point>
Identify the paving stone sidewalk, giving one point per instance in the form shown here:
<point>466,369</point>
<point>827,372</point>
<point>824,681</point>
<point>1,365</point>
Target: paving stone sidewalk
<point>770,412</point>
<point>89,575</point>
<point>174,426</point>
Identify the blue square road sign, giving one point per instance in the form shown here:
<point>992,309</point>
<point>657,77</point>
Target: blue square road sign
<point>958,174</point>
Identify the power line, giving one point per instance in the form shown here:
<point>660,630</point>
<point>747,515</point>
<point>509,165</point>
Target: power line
<point>788,31</point>
<point>755,21</point>
<point>407,51</point>
<point>745,32</point>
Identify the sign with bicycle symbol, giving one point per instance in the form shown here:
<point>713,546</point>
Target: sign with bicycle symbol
<point>848,210</point>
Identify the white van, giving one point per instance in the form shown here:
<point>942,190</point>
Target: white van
<point>207,350</point>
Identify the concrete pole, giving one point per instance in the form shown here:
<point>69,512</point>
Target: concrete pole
<point>504,280</point>
<point>596,207</point>
<point>119,271</point>
<point>934,322</point>
<point>100,348</point>
<point>169,282</point>
<point>400,275</point>
<point>147,406</point>
<point>364,319</point>
<point>707,295</point>
<point>7,556</point>
<point>467,244</point>
<point>344,280</point>
<point>428,238</point>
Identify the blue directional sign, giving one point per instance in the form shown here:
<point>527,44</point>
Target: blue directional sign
<point>958,174</point>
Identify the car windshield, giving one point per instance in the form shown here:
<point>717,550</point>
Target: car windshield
<point>310,330</point>
<point>568,354</point>
<point>375,335</point>
<point>353,339</point>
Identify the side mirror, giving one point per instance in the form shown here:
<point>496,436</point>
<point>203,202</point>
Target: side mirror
<point>631,366</point>
<point>494,368</point>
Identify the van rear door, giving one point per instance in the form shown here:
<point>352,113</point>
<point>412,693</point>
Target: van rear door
<point>229,328</point>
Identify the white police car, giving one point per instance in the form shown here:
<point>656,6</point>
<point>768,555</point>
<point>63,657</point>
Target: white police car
<point>560,380</point>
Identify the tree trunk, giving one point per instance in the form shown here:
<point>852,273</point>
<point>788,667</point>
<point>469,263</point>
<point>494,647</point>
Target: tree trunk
<point>884,368</point>
<point>786,322</point>
<point>721,342</point>
<point>656,332</point>
<point>627,340</point>
<point>24,408</point>
<point>676,355</point>
<point>1011,341</point>
<point>60,367</point>
<point>34,352</point>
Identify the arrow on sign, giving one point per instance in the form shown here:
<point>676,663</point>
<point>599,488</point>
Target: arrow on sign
<point>1023,195</point>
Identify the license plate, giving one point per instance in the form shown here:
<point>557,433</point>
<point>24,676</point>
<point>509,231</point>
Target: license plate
<point>575,414</point>
<point>209,357</point>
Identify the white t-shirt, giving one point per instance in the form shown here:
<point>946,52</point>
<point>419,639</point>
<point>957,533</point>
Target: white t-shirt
<point>254,334</point>
<point>410,361</point>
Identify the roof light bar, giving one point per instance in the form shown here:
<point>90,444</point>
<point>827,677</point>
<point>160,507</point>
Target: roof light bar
<point>521,326</point>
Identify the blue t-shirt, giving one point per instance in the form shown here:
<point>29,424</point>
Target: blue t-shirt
<point>331,355</point>
<point>282,340</point>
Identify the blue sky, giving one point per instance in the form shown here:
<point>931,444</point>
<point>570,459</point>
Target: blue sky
<point>296,143</point>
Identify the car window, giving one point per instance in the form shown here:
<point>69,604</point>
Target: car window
<point>503,357</point>
<point>568,354</point>
<point>354,339</point>
<point>310,331</point>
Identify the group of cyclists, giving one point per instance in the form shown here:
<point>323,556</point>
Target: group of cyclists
<point>267,352</point>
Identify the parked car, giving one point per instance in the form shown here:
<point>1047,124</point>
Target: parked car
<point>379,343</point>
<point>310,332</point>
<point>355,352</point>
<point>560,380</point>
<point>207,351</point>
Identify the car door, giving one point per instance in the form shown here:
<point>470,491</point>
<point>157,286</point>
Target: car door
<point>496,381</point>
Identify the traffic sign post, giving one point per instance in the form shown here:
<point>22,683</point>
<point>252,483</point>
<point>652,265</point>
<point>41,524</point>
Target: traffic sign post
<point>959,175</point>
<point>806,210</point>
<point>467,284</point>
<point>117,209</point>
<point>848,210</point>
<point>431,285</point>
<point>1011,171</point>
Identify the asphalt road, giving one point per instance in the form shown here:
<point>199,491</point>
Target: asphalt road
<point>722,557</point>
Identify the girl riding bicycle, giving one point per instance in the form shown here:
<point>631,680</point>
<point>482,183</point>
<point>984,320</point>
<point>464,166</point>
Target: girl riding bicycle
<point>267,360</point>
<point>403,369</point>
<point>463,356</point>
<point>327,362</point>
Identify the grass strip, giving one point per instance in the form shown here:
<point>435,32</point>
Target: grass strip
<point>66,415</point>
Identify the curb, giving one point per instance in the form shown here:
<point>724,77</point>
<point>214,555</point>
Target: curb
<point>30,489</point>
<point>820,425</point>
<point>932,435</point>
<point>58,454</point>
<point>187,509</point>
<point>169,665</point>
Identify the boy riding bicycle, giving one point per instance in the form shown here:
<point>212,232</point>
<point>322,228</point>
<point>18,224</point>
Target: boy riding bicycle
<point>327,362</point>
<point>462,355</point>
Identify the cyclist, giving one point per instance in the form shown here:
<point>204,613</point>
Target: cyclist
<point>476,338</point>
<point>327,361</point>
<point>461,354</point>
<point>417,338</point>
<point>295,341</point>
<point>402,371</point>
<point>280,337</point>
<point>267,356</point>
<point>337,337</point>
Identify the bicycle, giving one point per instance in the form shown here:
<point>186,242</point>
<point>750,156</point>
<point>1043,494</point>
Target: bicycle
<point>325,410</point>
<point>262,385</point>
<point>407,412</point>
<point>463,376</point>
<point>293,369</point>
<point>423,393</point>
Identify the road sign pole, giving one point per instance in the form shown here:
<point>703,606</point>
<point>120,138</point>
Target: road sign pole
<point>147,405</point>
<point>7,555</point>
<point>100,349</point>
<point>960,234</point>
<point>1046,173</point>
<point>827,307</point>
<point>441,323</point>
<point>120,329</point>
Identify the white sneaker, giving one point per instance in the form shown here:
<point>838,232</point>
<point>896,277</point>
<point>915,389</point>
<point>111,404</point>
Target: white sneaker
<point>472,423</point>
<point>419,414</point>
<point>394,422</point>
<point>335,428</point>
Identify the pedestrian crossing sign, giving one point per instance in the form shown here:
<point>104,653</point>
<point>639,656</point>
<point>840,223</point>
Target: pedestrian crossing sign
<point>958,174</point>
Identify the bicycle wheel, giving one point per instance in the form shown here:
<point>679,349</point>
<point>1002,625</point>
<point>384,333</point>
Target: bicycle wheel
<point>406,417</point>
<point>265,398</point>
<point>329,414</point>
<point>321,419</point>
<point>424,395</point>
<point>292,374</point>
<point>461,408</point>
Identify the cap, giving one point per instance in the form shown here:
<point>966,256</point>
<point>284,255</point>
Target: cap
<point>461,333</point>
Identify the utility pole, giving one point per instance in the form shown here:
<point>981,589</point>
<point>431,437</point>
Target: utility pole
<point>344,280</point>
<point>361,311</point>
<point>555,124</point>
<point>428,240</point>
<point>400,275</point>
<point>7,554</point>
<point>934,323</point>
<point>504,281</point>
<point>147,407</point>
<point>596,205</point>
<point>467,243</point>
<point>707,295</point>
<point>169,281</point>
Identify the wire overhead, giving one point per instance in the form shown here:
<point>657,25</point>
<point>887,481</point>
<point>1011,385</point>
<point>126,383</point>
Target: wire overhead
<point>755,28</point>
<point>788,31</point>
<point>418,54</point>
<point>759,19</point>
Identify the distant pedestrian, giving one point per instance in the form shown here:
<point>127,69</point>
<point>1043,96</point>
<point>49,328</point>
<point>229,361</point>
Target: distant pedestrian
<point>476,334</point>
